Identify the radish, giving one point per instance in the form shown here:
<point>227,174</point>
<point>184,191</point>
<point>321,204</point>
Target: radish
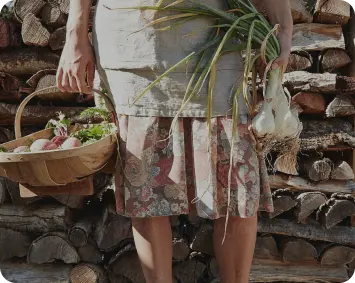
<point>22,148</point>
<point>71,143</point>
<point>43,144</point>
<point>58,140</point>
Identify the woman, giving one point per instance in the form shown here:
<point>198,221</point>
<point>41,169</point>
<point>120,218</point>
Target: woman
<point>161,175</point>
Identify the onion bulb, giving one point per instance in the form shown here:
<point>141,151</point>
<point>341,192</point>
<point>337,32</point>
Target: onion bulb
<point>264,123</point>
<point>291,126</point>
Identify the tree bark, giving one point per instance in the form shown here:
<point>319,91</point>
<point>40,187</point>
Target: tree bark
<point>310,102</point>
<point>332,12</point>
<point>266,248</point>
<point>35,219</point>
<point>52,16</point>
<point>300,13</point>
<point>203,241</point>
<point>13,244</point>
<point>341,105</point>
<point>345,84</point>
<point>9,88</point>
<point>333,59</point>
<point>317,169</point>
<point>298,251</point>
<point>307,203</point>
<point>71,201</point>
<point>88,273</point>
<point>299,61</point>
<point>64,6</point>
<point>33,32</point>
<point>342,171</point>
<point>79,233</point>
<point>90,253</point>
<point>24,7</point>
<point>313,36</point>
<point>181,249</point>
<point>189,271</point>
<point>9,34</point>
<point>340,235</point>
<point>50,247</point>
<point>337,256</point>
<point>58,38</point>
<point>283,201</point>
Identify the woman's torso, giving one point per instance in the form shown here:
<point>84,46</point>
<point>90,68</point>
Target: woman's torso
<point>130,57</point>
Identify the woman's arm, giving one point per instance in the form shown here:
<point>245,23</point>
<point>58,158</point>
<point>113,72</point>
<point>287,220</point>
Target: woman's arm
<point>279,12</point>
<point>77,60</point>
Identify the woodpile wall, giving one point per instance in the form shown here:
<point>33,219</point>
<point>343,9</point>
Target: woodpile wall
<point>309,237</point>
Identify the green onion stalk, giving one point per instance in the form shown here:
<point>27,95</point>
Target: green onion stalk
<point>241,21</point>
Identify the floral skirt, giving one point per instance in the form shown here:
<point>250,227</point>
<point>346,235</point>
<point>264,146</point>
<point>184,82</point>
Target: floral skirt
<point>164,173</point>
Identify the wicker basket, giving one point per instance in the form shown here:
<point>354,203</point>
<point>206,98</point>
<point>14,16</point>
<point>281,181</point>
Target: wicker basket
<point>55,167</point>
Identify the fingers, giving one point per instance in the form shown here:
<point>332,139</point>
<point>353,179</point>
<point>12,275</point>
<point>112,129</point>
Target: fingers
<point>80,78</point>
<point>59,78</point>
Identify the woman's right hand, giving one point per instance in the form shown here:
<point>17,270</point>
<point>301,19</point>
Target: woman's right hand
<point>76,67</point>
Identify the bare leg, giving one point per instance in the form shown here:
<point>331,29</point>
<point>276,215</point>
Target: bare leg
<point>235,256</point>
<point>153,241</point>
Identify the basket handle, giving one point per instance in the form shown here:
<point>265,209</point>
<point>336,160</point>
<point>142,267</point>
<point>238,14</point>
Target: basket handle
<point>37,92</point>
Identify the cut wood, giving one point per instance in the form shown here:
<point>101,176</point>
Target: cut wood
<point>111,229</point>
<point>57,39</point>
<point>298,250</point>
<point>24,7</point>
<point>64,5</point>
<point>333,59</point>
<point>332,12</point>
<point>181,249</point>
<point>342,171</point>
<point>337,256</point>
<point>90,253</point>
<point>316,169</point>
<point>299,61</point>
<point>4,195</point>
<point>334,211</point>
<point>310,102</point>
<point>300,13</point>
<point>33,81</point>
<point>14,192</point>
<point>341,105</point>
<point>203,240</point>
<point>88,273</point>
<point>51,92</point>
<point>350,70</point>
<point>341,235</point>
<point>9,34</point>
<point>307,203</point>
<point>78,234</point>
<point>266,247</point>
<point>9,88</point>
<point>13,244</point>
<point>71,201</point>
<point>50,247</point>
<point>189,270</point>
<point>126,263</point>
<point>27,61</point>
<point>283,201</point>
<point>19,272</point>
<point>51,15</point>
<point>313,36</point>
<point>345,84</point>
<point>33,32</point>
<point>113,278</point>
<point>309,82</point>
<point>35,219</point>
<point>278,181</point>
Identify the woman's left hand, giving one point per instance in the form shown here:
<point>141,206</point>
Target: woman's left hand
<point>285,39</point>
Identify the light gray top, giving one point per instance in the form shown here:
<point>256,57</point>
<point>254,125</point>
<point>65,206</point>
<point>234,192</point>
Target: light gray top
<point>130,57</point>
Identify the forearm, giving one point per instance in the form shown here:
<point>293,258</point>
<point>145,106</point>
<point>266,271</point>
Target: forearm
<point>78,21</point>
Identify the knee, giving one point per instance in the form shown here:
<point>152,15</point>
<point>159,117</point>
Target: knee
<point>150,222</point>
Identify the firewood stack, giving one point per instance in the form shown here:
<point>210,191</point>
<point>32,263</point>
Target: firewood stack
<point>311,234</point>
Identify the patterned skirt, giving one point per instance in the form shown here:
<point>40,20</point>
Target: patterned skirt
<point>163,173</point>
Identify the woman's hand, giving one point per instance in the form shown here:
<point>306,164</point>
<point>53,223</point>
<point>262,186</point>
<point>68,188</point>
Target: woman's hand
<point>76,67</point>
<point>285,40</point>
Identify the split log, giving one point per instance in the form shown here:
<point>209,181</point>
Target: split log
<point>71,201</point>
<point>181,249</point>
<point>345,84</point>
<point>316,169</point>
<point>342,171</point>
<point>340,235</point>
<point>310,102</point>
<point>24,7</point>
<point>113,278</point>
<point>333,59</point>
<point>351,267</point>
<point>307,204</point>
<point>33,81</point>
<point>19,272</point>
<point>126,263</point>
<point>88,273</point>
<point>14,192</point>
<point>279,181</point>
<point>298,250</point>
<point>9,35</point>
<point>4,195</point>
<point>332,12</point>
<point>9,88</point>
<point>283,201</point>
<point>35,219</point>
<point>320,135</point>
<point>50,247</point>
<point>27,61</point>
<point>299,61</point>
<point>313,36</point>
<point>174,221</point>
<point>58,38</point>
<point>79,233</point>
<point>64,5</point>
<point>189,271</point>
<point>33,32</point>
<point>51,92</point>
<point>51,15</point>
<point>90,253</point>
<point>13,244</point>
<point>301,81</point>
<point>337,256</point>
<point>266,247</point>
<point>111,229</point>
<point>300,13</point>
<point>203,241</point>
<point>334,211</point>
<point>350,70</point>
<point>341,105</point>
